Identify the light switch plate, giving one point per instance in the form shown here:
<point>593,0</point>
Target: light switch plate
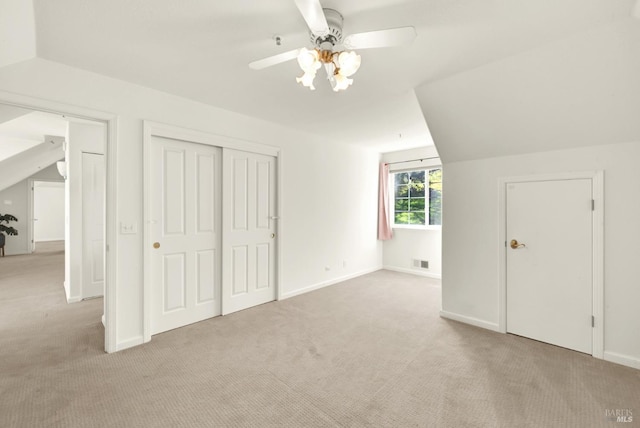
<point>128,229</point>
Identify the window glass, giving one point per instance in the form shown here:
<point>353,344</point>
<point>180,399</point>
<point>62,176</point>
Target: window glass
<point>435,197</point>
<point>418,197</point>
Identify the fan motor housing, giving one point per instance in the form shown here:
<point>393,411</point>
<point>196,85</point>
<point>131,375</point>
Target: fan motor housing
<point>334,21</point>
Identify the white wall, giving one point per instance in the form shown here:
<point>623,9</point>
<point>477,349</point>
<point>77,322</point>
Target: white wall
<point>578,92</point>
<point>15,200</point>
<point>48,211</point>
<point>409,244</point>
<point>329,213</point>
<point>470,241</point>
<point>328,198</point>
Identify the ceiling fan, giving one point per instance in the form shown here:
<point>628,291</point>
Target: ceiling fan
<point>331,49</point>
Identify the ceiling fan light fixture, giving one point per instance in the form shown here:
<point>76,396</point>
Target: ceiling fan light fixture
<point>309,60</point>
<point>348,63</point>
<point>341,82</point>
<point>307,80</point>
<point>325,32</point>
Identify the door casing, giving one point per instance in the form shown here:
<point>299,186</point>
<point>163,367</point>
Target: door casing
<point>597,180</point>
<point>154,129</point>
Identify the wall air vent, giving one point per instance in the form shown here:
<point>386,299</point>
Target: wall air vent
<point>421,264</point>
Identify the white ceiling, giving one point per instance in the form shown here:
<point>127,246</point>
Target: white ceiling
<point>17,31</point>
<point>200,50</point>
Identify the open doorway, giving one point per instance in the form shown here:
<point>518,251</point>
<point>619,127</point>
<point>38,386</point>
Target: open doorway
<point>46,157</point>
<point>47,214</point>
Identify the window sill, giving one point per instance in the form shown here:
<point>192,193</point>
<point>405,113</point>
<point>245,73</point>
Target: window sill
<point>415,227</point>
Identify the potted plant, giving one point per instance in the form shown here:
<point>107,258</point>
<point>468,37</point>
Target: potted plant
<point>4,228</point>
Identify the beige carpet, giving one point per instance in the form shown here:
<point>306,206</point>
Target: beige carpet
<point>370,352</point>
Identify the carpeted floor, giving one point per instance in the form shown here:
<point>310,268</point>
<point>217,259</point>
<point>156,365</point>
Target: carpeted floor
<point>370,352</point>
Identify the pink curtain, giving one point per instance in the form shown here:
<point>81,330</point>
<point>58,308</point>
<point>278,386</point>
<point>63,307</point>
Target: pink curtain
<point>384,214</point>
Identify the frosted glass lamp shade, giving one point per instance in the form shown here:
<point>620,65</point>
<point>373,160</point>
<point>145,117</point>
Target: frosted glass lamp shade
<point>341,82</point>
<point>307,80</point>
<point>308,60</point>
<point>349,63</point>
<point>62,168</point>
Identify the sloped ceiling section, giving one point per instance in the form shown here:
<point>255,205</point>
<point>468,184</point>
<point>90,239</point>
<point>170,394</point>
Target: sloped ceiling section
<point>26,163</point>
<point>17,31</point>
<point>579,91</point>
<point>22,129</point>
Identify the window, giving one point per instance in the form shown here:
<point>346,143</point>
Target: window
<point>417,197</point>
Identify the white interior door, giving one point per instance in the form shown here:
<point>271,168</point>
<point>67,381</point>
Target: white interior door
<point>93,186</point>
<point>185,225</point>
<point>48,211</point>
<point>549,277</point>
<point>249,276</point>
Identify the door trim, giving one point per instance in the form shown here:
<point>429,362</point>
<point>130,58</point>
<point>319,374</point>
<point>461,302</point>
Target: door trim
<point>597,189</point>
<point>111,124</point>
<point>154,129</point>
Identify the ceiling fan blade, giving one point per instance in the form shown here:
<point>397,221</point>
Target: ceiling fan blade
<point>381,38</point>
<point>273,60</point>
<point>313,15</point>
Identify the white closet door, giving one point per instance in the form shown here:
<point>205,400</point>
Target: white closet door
<point>249,274</point>
<point>549,269</point>
<point>185,233</point>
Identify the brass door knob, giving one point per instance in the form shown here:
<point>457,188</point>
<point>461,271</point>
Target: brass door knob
<point>156,245</point>
<point>515,245</point>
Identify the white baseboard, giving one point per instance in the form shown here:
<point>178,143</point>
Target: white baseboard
<point>624,360</point>
<point>129,343</point>
<point>470,320</point>
<point>326,283</point>
<point>104,322</point>
<point>413,272</point>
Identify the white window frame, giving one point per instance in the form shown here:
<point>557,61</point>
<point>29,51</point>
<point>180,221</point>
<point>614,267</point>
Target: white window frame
<point>392,199</point>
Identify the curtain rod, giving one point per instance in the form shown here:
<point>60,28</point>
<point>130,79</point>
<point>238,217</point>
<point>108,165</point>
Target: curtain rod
<point>412,160</point>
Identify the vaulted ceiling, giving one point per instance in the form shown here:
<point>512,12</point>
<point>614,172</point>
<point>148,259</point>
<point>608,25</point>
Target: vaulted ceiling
<point>201,50</point>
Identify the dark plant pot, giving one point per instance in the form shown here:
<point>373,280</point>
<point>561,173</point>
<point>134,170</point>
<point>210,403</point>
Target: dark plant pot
<point>1,240</point>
